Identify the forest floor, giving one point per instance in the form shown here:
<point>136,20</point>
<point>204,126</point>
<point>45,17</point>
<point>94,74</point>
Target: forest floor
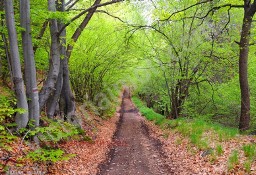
<point>129,144</point>
<point>140,147</point>
<point>135,152</point>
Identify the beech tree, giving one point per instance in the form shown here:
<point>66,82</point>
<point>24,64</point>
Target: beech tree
<point>30,68</point>
<point>244,44</point>
<point>56,94</point>
<point>20,119</point>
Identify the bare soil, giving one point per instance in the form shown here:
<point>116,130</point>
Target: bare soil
<point>134,151</point>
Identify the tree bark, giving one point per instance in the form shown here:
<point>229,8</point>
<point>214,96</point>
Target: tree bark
<point>20,119</point>
<point>243,73</point>
<point>179,96</point>
<point>67,95</point>
<point>63,93</point>
<point>49,86</point>
<point>30,67</point>
<point>53,100</point>
<point>174,104</point>
<point>249,12</point>
<point>67,106</point>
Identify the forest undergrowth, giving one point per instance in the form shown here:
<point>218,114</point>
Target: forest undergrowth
<point>207,145</point>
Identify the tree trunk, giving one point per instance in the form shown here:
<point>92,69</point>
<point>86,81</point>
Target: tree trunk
<point>179,96</point>
<point>81,27</point>
<point>30,68</point>
<point>52,76</point>
<point>63,93</point>
<point>55,97</point>
<point>20,119</point>
<point>67,95</point>
<point>174,104</point>
<point>243,73</point>
<point>7,53</point>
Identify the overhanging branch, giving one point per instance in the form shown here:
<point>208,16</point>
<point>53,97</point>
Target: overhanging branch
<point>87,10</point>
<point>187,8</point>
<point>208,12</point>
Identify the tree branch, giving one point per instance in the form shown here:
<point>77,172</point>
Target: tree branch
<point>187,8</point>
<point>208,12</point>
<point>72,5</point>
<point>116,17</point>
<point>219,7</point>
<point>95,6</point>
<point>41,34</point>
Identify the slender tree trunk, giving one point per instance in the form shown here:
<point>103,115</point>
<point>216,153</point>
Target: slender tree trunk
<point>169,95</point>
<point>21,119</point>
<point>30,67</point>
<point>7,53</point>
<point>243,73</point>
<point>81,27</point>
<point>41,34</point>
<point>174,104</point>
<point>54,63</point>
<point>68,100</point>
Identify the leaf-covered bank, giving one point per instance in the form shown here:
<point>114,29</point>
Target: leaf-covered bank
<point>209,147</point>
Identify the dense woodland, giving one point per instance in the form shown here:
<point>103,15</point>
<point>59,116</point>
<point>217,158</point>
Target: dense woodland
<point>184,59</point>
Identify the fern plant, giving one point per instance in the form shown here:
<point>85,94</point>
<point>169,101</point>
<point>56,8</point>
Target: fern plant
<point>49,155</point>
<point>7,110</point>
<point>55,131</point>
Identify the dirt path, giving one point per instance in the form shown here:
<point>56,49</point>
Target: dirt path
<point>134,151</point>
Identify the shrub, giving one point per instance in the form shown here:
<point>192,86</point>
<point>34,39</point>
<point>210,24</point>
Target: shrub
<point>7,110</point>
<point>149,113</point>
<point>48,155</point>
<point>57,130</point>
<point>200,130</point>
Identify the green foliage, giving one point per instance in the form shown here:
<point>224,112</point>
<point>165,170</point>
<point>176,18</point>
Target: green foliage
<point>99,65</point>
<point>200,130</point>
<point>54,132</point>
<point>7,112</point>
<point>233,159</point>
<point>248,165</point>
<point>150,114</point>
<point>57,130</point>
<point>250,151</point>
<point>48,155</point>
<point>7,109</point>
<point>219,150</point>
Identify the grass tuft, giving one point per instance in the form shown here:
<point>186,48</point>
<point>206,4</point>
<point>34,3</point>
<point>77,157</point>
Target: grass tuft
<point>250,151</point>
<point>219,150</point>
<point>233,160</point>
<point>200,130</point>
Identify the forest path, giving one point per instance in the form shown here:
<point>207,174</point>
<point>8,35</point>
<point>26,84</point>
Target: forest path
<point>134,151</point>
